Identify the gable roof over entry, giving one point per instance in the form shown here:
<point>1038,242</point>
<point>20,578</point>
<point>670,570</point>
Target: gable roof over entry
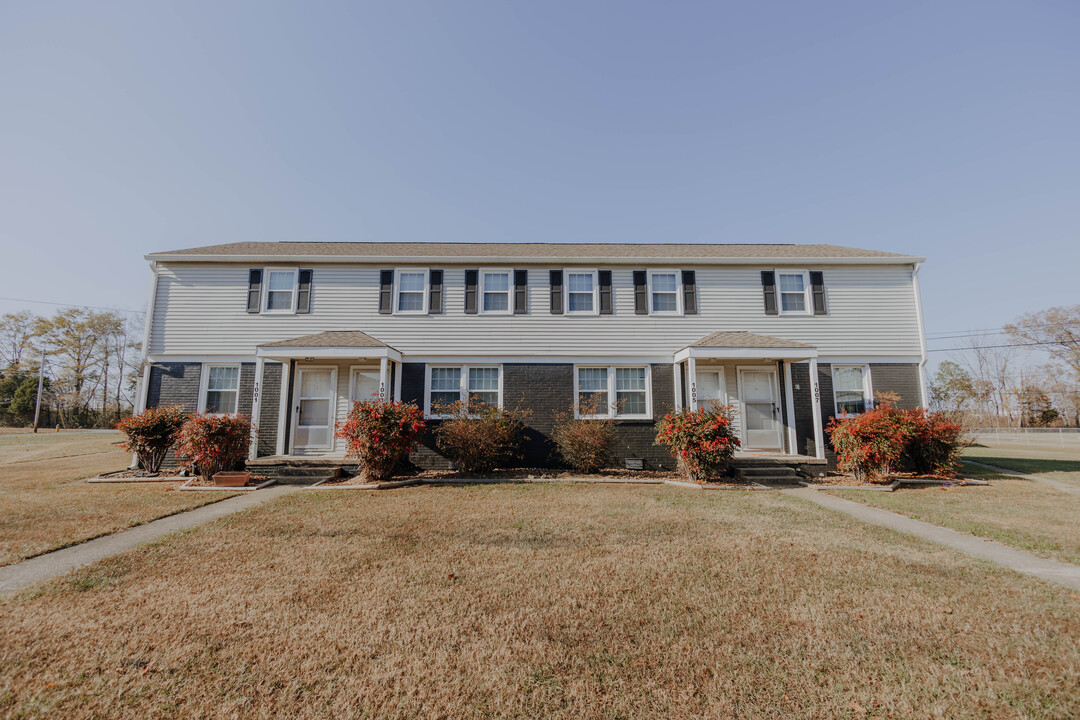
<point>746,345</point>
<point>332,343</point>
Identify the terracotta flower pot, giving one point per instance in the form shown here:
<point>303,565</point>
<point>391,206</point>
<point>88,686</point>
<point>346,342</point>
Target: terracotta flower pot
<point>232,479</point>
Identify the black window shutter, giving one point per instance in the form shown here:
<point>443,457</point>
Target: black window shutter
<point>521,292</point>
<point>689,292</point>
<point>303,292</point>
<point>470,292</point>
<point>254,290</point>
<point>606,306</point>
<point>435,292</point>
<point>556,292</point>
<point>641,294</point>
<point>386,292</point>
<point>768,287</point>
<point>817,287</point>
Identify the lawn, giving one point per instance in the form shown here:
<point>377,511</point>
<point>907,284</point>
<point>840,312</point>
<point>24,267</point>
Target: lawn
<point>527,601</point>
<point>1063,466</point>
<point>1014,511</point>
<point>44,503</point>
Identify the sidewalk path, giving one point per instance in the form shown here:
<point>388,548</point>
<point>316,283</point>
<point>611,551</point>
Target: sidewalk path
<point>1056,572</point>
<point>1057,484</point>
<point>45,567</point>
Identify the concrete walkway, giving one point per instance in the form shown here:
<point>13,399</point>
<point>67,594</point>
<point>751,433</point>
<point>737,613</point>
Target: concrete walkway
<point>1056,484</point>
<point>50,565</point>
<point>1056,572</point>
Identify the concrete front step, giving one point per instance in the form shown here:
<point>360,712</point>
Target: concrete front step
<point>765,471</point>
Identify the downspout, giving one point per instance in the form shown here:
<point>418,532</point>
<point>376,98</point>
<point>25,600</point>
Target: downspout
<point>922,332</point>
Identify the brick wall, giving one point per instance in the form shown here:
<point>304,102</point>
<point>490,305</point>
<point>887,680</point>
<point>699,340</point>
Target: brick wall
<point>270,409</point>
<point>900,378</point>
<point>804,409</point>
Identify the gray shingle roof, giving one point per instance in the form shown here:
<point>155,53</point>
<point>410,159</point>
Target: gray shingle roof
<point>537,251</point>
<point>331,338</point>
<point>745,340</point>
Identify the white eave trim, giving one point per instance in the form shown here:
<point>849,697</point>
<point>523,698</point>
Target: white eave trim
<point>298,353</point>
<point>746,353</point>
<point>444,260</point>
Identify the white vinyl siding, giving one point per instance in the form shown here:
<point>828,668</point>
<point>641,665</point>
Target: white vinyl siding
<point>201,309</point>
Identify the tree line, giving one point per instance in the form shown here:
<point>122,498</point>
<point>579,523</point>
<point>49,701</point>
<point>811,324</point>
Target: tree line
<point>1006,385</point>
<point>91,366</point>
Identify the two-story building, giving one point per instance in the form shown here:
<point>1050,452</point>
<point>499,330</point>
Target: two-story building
<point>294,333</point>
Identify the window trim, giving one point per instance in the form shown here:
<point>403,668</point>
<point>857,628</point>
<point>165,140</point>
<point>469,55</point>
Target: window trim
<point>264,301</point>
<point>613,392</point>
<point>509,291</point>
<point>463,385</point>
<point>678,292</point>
<point>808,294</point>
<point>567,272</point>
<point>204,386</point>
<point>425,293</point>
<point>868,386</point>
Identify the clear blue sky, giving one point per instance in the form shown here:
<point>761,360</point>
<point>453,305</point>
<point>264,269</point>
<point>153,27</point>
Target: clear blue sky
<point>944,129</point>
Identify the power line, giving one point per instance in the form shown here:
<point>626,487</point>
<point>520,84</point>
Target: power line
<point>988,347</point>
<point>88,307</point>
<point>992,331</point>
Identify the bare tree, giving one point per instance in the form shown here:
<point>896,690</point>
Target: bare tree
<point>17,334</point>
<point>992,371</point>
<point>1057,331</point>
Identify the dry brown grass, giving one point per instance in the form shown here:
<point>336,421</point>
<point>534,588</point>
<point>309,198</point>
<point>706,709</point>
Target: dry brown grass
<point>44,503</point>
<point>528,601</point>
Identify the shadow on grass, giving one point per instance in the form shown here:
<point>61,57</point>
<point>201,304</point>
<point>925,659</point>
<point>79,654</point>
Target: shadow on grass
<point>1027,465</point>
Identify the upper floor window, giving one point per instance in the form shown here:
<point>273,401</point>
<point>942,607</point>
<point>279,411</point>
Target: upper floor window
<point>411,291</point>
<point>496,291</point>
<point>621,392</point>
<point>471,386</point>
<point>220,389</point>
<point>280,291</point>
<point>794,288</point>
<point>664,292</point>
<point>581,291</point>
<point>851,388</point>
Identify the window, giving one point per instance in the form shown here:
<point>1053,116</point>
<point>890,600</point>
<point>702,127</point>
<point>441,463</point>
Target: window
<point>622,392</point>
<point>411,291</point>
<point>220,389</point>
<point>851,388</point>
<point>794,287</point>
<point>664,293</point>
<point>581,290</point>
<point>280,291</point>
<point>496,291</point>
<point>476,386</point>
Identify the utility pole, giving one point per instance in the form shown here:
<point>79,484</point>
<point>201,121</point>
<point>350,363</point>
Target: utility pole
<point>40,382</point>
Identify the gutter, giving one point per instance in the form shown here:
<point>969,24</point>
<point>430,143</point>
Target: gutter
<point>401,261</point>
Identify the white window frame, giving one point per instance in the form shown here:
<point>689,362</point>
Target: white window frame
<point>613,393</point>
<point>595,291</point>
<point>868,386</point>
<point>426,292</point>
<point>204,386</point>
<point>808,300</point>
<point>509,291</point>
<point>463,385</point>
<point>265,300</point>
<point>678,292</point>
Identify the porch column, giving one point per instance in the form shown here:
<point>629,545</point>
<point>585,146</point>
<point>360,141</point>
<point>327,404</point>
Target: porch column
<point>285,405</point>
<point>793,439</point>
<point>691,370</point>
<point>397,380</point>
<point>384,377</point>
<point>676,369</point>
<point>256,406</point>
<point>815,403</point>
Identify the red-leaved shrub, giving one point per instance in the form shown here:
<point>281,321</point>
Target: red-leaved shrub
<point>934,443</point>
<point>380,434</point>
<point>151,433</point>
<point>213,443</point>
<point>702,440</point>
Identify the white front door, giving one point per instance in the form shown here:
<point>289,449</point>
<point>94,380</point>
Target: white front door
<point>759,400</point>
<point>363,385</point>
<point>313,409</point>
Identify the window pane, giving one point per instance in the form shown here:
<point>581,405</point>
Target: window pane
<point>314,412</point>
<point>223,378</point>
<point>580,282</point>
<point>593,403</point>
<point>479,399</point>
<point>664,302</point>
<point>663,283</point>
<point>849,385</point>
<point>280,281</point>
<point>411,301</point>
<point>483,379</point>
<point>579,302</point>
<point>629,379</point>
<point>631,403</point>
<point>849,402</point>
<point>792,302</point>
<point>848,378</point>
<point>446,379</point>
<point>494,301</point>
<point>443,398</point>
<point>496,282</point>
<point>220,401</point>
<point>411,282</point>
<point>792,283</point>
<point>592,379</point>
<point>279,300</point>
<point>315,384</point>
